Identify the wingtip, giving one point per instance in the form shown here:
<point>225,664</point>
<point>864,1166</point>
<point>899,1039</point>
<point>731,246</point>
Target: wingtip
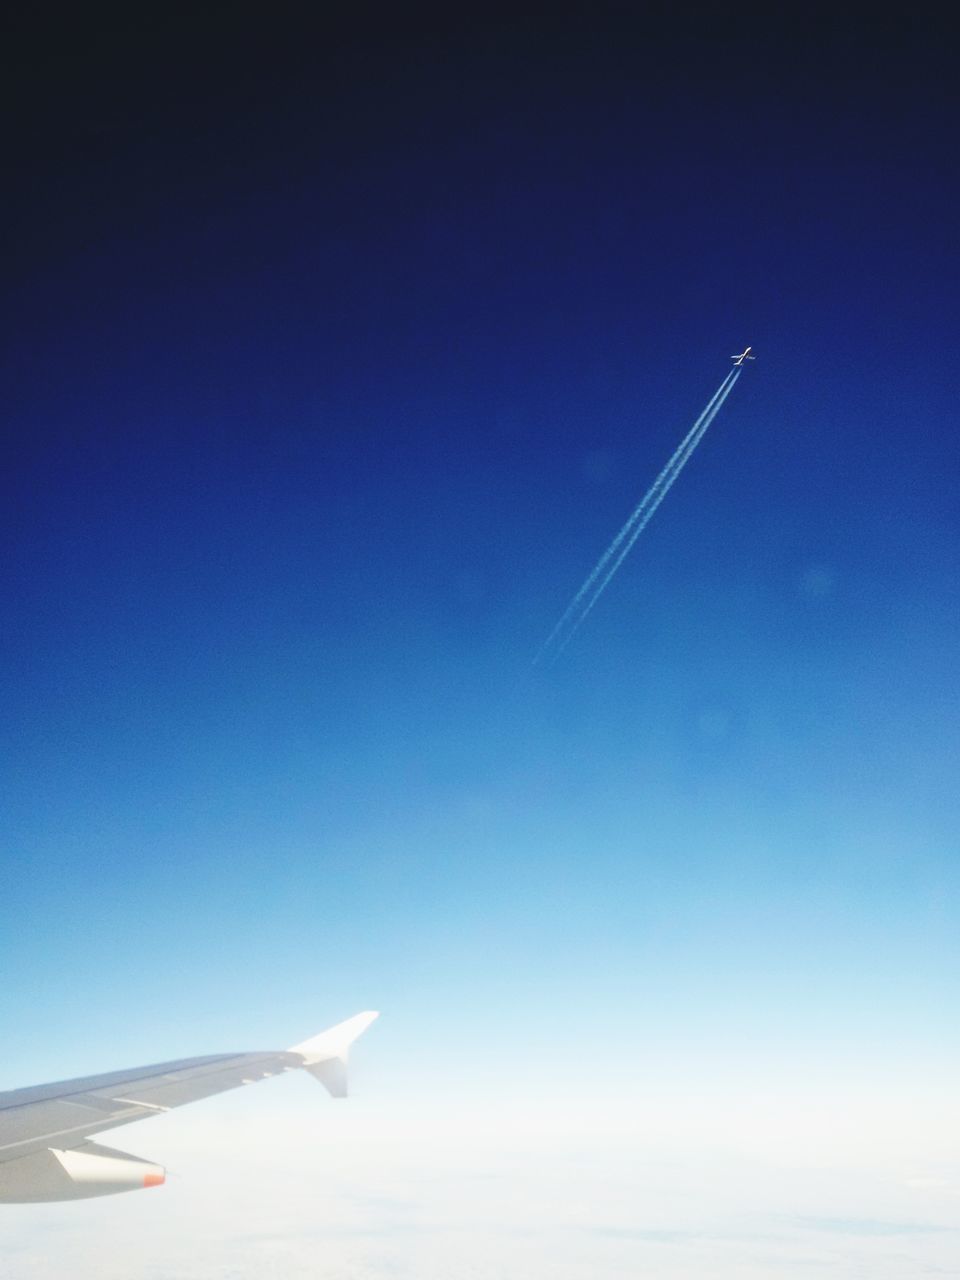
<point>336,1040</point>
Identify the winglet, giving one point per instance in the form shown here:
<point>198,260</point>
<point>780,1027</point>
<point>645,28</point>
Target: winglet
<point>325,1056</point>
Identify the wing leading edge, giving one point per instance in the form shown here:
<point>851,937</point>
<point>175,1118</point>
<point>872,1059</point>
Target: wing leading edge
<point>45,1152</point>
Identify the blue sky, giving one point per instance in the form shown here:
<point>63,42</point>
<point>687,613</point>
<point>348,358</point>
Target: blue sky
<point>326,387</point>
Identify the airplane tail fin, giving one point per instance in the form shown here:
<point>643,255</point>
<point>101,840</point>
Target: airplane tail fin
<point>325,1056</point>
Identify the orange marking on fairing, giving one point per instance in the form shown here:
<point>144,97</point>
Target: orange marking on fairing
<point>154,1179</point>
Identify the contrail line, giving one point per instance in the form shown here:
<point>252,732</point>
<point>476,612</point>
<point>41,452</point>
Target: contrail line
<point>634,516</point>
<point>576,611</point>
<point>645,518</point>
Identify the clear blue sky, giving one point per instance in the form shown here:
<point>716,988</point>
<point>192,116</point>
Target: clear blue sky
<point>330,367</point>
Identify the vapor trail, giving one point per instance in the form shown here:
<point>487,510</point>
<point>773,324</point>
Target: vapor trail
<point>580,606</point>
<point>651,494</point>
<point>646,517</point>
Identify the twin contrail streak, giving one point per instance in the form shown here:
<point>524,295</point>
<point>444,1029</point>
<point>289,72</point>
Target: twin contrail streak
<point>679,457</point>
<point>596,583</point>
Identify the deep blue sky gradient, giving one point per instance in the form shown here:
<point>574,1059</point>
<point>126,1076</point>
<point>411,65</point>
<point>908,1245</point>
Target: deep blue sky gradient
<point>331,366</point>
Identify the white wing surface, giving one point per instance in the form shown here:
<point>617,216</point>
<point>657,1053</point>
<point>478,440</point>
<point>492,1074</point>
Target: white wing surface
<point>45,1152</point>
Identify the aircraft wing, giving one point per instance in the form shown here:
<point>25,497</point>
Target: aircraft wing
<point>45,1152</point>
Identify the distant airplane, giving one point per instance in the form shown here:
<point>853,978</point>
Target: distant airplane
<point>44,1152</point>
<point>744,355</point>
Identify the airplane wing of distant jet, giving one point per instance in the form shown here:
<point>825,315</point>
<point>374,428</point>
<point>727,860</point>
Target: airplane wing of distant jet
<point>45,1152</point>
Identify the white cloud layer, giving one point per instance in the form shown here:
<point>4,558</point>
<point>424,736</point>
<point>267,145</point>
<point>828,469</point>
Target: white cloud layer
<point>276,1184</point>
